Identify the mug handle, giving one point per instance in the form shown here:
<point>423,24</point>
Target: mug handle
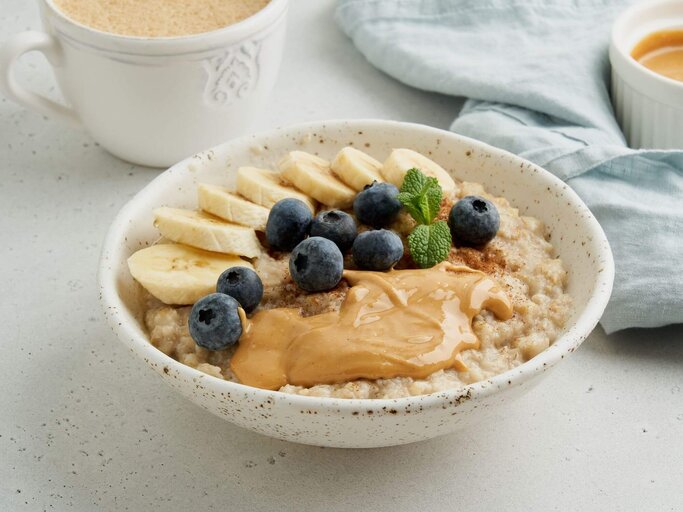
<point>13,49</point>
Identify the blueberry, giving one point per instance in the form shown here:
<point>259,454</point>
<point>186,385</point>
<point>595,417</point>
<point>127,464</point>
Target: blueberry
<point>214,322</point>
<point>242,284</point>
<point>474,221</point>
<point>288,224</point>
<point>377,204</point>
<point>377,250</point>
<point>316,264</point>
<point>337,226</point>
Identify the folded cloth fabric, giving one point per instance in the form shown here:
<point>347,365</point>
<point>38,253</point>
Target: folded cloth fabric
<point>536,73</point>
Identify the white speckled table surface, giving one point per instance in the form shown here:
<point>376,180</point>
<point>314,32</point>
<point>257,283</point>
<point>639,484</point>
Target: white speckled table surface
<point>84,425</point>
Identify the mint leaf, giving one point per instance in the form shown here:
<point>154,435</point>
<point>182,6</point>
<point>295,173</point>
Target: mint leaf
<point>421,195</point>
<point>430,244</point>
<point>430,202</point>
<point>412,204</point>
<point>413,182</point>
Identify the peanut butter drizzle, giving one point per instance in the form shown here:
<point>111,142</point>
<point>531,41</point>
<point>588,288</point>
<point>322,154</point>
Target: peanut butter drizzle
<point>407,323</point>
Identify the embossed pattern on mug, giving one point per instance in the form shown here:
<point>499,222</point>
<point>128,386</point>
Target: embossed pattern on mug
<point>159,18</point>
<point>232,74</point>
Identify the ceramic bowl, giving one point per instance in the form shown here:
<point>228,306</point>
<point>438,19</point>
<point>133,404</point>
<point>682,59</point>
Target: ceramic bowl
<point>576,235</point>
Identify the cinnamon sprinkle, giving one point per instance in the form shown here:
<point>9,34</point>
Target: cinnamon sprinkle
<point>489,260</point>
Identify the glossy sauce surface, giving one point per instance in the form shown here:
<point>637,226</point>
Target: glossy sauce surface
<point>407,323</point>
<point>662,52</point>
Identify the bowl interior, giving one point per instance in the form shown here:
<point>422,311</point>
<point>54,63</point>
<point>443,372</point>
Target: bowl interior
<point>575,234</point>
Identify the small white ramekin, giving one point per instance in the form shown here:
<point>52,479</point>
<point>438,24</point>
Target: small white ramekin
<point>649,106</point>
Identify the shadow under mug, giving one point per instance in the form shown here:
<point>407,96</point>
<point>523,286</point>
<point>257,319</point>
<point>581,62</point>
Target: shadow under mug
<point>153,101</point>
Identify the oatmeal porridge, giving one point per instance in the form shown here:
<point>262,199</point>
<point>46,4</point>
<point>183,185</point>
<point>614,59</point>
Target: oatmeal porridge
<point>519,262</point>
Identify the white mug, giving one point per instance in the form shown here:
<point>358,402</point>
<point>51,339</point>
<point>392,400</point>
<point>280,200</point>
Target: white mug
<point>153,101</point>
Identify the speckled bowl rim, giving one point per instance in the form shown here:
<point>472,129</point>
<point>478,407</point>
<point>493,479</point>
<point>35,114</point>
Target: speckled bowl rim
<point>124,324</point>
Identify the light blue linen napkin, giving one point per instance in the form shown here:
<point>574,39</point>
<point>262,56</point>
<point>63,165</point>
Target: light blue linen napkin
<point>536,73</point>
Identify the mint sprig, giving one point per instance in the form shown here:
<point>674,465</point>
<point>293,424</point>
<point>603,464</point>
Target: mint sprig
<point>429,242</point>
<point>421,195</point>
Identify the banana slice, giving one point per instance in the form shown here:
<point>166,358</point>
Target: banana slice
<point>265,188</point>
<point>223,203</point>
<point>401,160</point>
<point>206,232</point>
<point>356,168</point>
<point>313,176</point>
<point>178,274</point>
